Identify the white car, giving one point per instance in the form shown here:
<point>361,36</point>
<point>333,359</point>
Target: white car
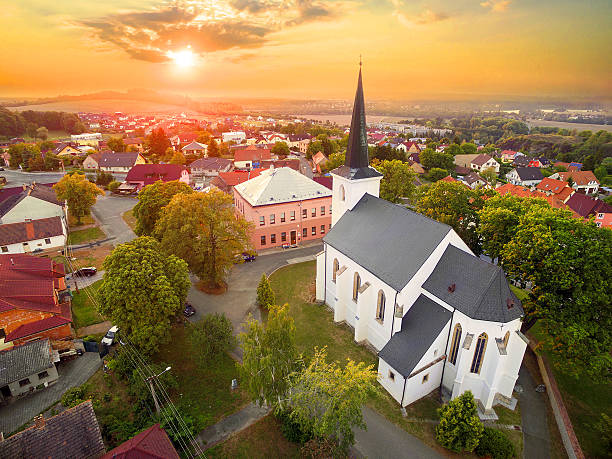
<point>109,338</point>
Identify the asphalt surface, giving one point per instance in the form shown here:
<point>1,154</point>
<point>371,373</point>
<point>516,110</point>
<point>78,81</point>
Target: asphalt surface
<point>536,436</point>
<point>107,210</point>
<point>18,178</point>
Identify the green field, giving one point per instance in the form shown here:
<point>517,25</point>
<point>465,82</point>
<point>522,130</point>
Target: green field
<point>86,235</point>
<point>84,312</point>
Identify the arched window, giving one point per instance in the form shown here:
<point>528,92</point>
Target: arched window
<point>479,353</point>
<point>356,285</point>
<point>335,271</point>
<point>380,307</point>
<point>454,350</point>
<point>506,338</point>
<point>342,194</point>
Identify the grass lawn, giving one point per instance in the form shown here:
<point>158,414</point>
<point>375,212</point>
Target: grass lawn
<point>315,326</point>
<point>508,417</point>
<point>205,394</point>
<point>263,439</point>
<point>585,401</point>
<point>86,220</point>
<point>129,218</point>
<point>86,235</point>
<point>520,293</point>
<point>83,310</point>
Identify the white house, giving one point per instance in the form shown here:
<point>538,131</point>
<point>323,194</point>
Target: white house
<point>234,136</point>
<point>34,202</point>
<point>438,316</point>
<point>30,235</point>
<point>525,176</point>
<point>483,162</point>
<point>583,181</point>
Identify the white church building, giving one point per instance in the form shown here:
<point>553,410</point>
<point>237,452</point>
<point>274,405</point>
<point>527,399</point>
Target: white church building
<point>438,316</point>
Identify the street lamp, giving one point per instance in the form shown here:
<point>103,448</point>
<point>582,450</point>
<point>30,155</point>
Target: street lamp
<point>150,381</point>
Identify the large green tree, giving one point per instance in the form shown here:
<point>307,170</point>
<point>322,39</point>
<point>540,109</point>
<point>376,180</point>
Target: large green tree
<point>157,143</point>
<point>151,200</point>
<point>281,149</point>
<point>116,144</point>
<point>79,193</point>
<point>203,230</point>
<point>460,428</point>
<point>430,158</point>
<point>211,337</point>
<point>269,356</point>
<point>398,180</point>
<point>142,290</point>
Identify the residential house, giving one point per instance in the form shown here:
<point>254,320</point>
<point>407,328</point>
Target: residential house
<point>525,176</point>
<point>318,160</point>
<point>152,443</point>
<point>521,161</point>
<point>24,369</point>
<point>66,150</point>
<point>484,162</point>
<point>34,303</point>
<point>534,162</point>
<point>587,207</point>
<point>299,142</point>
<point>209,167</point>
<point>583,181</point>
<point>414,157</point>
<point>525,192</point>
<point>508,156</point>
<point>29,235</point>
<point>74,433</point>
<point>416,167</point>
<point>439,317</point>
<point>285,206</point>
<point>226,181</point>
<point>113,162</point>
<point>411,147</point>
<point>195,149</point>
<point>236,136</point>
<point>573,166</point>
<point>462,171</point>
<point>551,187</point>
<point>142,175</point>
<point>7,192</point>
<point>251,157</point>
<point>473,180</point>
<point>465,160</point>
<point>136,142</point>
<point>183,139</point>
<point>33,202</point>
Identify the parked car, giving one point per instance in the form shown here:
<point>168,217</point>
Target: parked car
<point>85,272</point>
<point>1,168</point>
<point>37,250</point>
<point>109,338</point>
<point>189,310</point>
<point>246,256</point>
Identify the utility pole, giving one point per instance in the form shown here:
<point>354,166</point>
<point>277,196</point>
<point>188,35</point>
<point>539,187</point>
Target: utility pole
<point>150,381</point>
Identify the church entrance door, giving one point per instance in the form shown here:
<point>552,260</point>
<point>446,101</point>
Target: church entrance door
<point>293,238</point>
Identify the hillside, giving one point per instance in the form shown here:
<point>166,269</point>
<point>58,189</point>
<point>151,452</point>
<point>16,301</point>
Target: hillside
<point>107,106</point>
<point>541,144</point>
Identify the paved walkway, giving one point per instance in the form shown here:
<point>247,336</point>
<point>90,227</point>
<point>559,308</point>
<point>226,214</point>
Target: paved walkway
<point>71,374</point>
<point>231,424</point>
<point>536,437</point>
<point>384,439</point>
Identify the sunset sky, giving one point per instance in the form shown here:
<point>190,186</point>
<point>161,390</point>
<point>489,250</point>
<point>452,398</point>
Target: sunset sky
<point>308,48</point>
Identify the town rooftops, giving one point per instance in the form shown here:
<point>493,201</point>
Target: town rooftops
<point>151,173</point>
<point>473,286</point>
<point>74,433</point>
<point>585,206</point>
<point>117,159</point>
<point>210,163</point>
<point>11,191</point>
<point>151,443</point>
<point>44,193</point>
<point>420,326</point>
<point>481,159</point>
<point>529,173</point>
<point>552,185</point>
<point>523,192</point>
<point>13,233</point>
<point>23,361</point>
<point>252,153</point>
<point>388,240</point>
<point>473,177</point>
<point>581,178</point>
<point>194,146</point>
<point>233,178</point>
<point>274,186</point>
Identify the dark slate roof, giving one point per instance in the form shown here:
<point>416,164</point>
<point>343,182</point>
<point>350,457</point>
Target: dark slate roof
<point>585,206</point>
<point>118,159</point>
<point>151,443</point>
<point>23,361</point>
<point>7,192</point>
<point>74,433</point>
<point>529,173</point>
<point>421,325</point>
<point>12,233</point>
<point>210,163</point>
<point>481,289</point>
<point>388,240</point>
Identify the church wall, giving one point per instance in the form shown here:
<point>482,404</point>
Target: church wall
<point>320,279</point>
<point>394,385</point>
<point>353,191</point>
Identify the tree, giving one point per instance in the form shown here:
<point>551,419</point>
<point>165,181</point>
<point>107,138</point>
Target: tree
<point>453,149</point>
<point>335,160</point>
<point>42,133</point>
<point>157,143</point>
<point>600,172</point>
<point>456,205</point>
<point>489,175</point>
<point>178,158</point>
<point>203,230</point>
<point>387,153</point>
<point>568,263</point>
<point>269,356</point>
<point>31,129</point>
<point>327,399</point>
<point>314,147</point>
<point>116,144</point>
<point>210,337</point>
<point>430,158</point>
<point>435,174</point>
<point>103,178</point>
<point>142,290</point>
<point>79,193</point>
<point>281,149</point>
<point>151,199</point>
<point>469,149</point>
<point>459,429</point>
<point>398,180</point>
<point>112,186</point>
<point>265,295</point>
<point>213,149</point>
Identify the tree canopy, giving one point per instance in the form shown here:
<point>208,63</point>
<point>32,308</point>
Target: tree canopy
<point>142,290</point>
<point>281,149</point>
<point>398,180</point>
<point>430,158</point>
<point>211,337</point>
<point>459,429</point>
<point>116,144</point>
<point>157,143</point>
<point>79,193</point>
<point>203,230</point>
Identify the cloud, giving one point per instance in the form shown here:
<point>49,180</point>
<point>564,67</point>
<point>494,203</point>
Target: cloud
<point>227,24</point>
<point>497,6</point>
<point>427,16</point>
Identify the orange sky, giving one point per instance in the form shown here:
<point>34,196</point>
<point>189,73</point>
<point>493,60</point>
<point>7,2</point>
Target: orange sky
<point>308,48</point>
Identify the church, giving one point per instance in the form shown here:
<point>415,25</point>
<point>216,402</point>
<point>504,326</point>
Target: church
<point>438,316</point>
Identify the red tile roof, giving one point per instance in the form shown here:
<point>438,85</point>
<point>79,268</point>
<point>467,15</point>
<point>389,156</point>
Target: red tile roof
<point>523,192</point>
<point>152,443</point>
<point>585,206</point>
<point>150,173</point>
<point>36,327</point>
<point>252,153</point>
<point>13,233</point>
<point>235,177</point>
<point>581,178</point>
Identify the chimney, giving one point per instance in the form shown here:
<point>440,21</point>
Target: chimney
<point>39,421</point>
<point>29,228</point>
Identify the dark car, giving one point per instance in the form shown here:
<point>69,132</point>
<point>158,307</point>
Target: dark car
<point>189,310</point>
<point>85,272</point>
<point>37,250</point>
<point>246,256</point>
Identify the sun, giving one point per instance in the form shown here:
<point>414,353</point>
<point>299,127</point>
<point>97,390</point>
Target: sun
<point>184,58</point>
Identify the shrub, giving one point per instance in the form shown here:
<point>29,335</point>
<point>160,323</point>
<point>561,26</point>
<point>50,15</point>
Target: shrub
<point>112,186</point>
<point>459,429</point>
<point>495,444</point>
<point>73,396</point>
<point>291,429</point>
<point>436,174</point>
<point>104,178</point>
<point>265,295</point>
<point>210,337</point>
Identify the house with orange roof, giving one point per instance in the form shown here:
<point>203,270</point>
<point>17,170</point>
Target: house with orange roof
<point>251,157</point>
<point>552,187</point>
<point>583,181</point>
<point>226,181</point>
<point>525,192</point>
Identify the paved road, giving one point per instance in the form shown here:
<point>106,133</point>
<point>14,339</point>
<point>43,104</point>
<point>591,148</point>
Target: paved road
<point>18,178</point>
<point>384,439</point>
<point>240,298</point>
<point>71,374</point>
<point>83,282</point>
<point>108,210</point>
<point>533,418</point>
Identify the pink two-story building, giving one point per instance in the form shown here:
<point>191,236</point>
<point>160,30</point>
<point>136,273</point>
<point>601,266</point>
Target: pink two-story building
<point>286,207</point>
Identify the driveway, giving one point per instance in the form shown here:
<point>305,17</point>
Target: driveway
<point>108,210</point>
<point>71,374</point>
<point>240,297</point>
<point>83,282</point>
<point>533,418</point>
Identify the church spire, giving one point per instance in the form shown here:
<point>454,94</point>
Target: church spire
<point>357,149</point>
